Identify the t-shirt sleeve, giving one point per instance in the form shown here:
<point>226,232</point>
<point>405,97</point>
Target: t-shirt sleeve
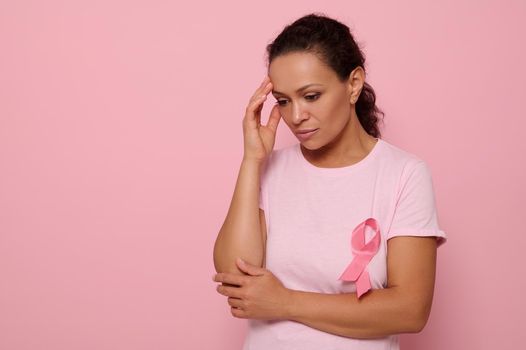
<point>415,211</point>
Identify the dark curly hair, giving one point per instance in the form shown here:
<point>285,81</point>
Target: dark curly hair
<point>334,44</point>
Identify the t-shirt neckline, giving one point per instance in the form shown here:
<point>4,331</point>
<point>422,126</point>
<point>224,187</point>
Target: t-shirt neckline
<point>340,170</point>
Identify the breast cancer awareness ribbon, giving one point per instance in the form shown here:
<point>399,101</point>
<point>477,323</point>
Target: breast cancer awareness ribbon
<point>363,253</point>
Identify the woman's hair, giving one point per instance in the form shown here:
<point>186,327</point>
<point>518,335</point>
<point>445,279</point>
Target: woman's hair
<point>333,43</point>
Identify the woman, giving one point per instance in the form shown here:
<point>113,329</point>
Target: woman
<point>341,253</point>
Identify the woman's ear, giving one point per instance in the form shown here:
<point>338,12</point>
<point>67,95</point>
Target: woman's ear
<point>355,84</point>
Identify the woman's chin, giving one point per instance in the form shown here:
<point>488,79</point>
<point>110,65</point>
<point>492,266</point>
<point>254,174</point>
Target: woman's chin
<point>309,145</point>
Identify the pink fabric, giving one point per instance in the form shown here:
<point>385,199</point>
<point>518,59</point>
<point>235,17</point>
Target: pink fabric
<point>363,253</point>
<point>311,213</point>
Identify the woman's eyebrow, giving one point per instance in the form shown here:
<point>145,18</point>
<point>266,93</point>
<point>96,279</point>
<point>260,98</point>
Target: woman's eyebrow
<point>299,90</point>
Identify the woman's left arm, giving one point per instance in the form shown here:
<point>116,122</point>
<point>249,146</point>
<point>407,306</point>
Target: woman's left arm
<point>402,307</point>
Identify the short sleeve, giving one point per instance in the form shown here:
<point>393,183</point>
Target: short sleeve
<point>415,211</point>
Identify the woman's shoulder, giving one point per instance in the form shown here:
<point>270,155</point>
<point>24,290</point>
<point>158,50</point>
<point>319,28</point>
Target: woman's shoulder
<point>282,154</point>
<point>397,155</point>
<point>278,159</point>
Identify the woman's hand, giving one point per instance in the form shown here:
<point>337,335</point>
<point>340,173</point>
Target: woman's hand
<point>258,295</point>
<point>259,139</point>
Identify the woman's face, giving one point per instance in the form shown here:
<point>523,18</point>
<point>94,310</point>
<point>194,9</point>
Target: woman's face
<point>324,105</point>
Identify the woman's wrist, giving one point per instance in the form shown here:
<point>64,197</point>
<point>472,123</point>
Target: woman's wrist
<point>289,310</point>
<point>253,161</point>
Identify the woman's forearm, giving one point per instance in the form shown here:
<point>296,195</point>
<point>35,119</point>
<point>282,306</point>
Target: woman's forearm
<point>379,313</point>
<point>240,234</point>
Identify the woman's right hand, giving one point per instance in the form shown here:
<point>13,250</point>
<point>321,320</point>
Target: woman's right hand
<point>259,139</point>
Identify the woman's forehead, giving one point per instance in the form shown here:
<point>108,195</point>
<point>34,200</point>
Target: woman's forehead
<point>293,71</point>
<point>297,61</point>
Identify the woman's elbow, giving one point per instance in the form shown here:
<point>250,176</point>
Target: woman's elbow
<point>419,317</point>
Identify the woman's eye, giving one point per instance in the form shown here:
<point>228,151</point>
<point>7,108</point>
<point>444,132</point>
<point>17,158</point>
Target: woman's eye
<point>312,97</point>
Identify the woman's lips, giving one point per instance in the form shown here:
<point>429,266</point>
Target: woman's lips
<point>306,136</point>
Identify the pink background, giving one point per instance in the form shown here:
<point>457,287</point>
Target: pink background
<point>121,138</point>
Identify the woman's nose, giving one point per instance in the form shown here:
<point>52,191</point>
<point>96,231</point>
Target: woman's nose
<point>298,114</point>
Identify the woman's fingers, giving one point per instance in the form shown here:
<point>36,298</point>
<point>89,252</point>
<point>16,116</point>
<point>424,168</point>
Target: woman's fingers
<point>259,96</point>
<point>263,89</point>
<point>259,139</point>
<point>274,118</point>
<point>259,90</point>
<point>235,302</point>
<point>264,82</point>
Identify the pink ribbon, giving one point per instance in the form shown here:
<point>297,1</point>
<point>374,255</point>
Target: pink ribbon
<point>363,253</point>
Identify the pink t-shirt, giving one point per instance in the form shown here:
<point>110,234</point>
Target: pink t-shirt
<point>310,214</point>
